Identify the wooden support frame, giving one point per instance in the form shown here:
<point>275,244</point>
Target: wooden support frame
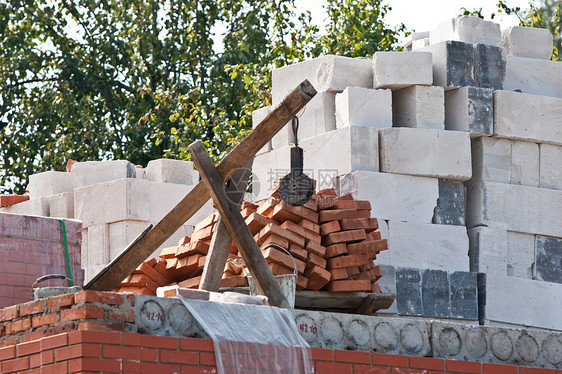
<point>137,252</point>
<point>222,240</point>
<point>230,214</point>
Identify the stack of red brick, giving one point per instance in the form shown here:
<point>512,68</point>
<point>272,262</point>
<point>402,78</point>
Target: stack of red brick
<point>332,242</point>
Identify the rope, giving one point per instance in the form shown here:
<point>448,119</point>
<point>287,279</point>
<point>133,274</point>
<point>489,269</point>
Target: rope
<point>66,252</point>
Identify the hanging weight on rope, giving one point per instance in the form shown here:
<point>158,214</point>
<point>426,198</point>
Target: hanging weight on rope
<point>296,188</point>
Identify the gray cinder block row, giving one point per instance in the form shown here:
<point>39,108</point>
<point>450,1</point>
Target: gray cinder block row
<point>451,204</point>
<point>470,109</point>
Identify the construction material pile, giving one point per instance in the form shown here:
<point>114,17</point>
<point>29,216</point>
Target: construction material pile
<point>332,241</point>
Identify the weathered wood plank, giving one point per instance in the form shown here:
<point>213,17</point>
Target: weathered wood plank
<point>135,254</point>
<point>237,227</point>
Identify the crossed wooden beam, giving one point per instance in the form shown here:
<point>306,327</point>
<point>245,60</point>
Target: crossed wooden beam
<point>232,225</point>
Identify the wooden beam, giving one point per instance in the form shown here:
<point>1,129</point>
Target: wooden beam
<point>221,240</point>
<point>230,214</point>
<point>135,254</point>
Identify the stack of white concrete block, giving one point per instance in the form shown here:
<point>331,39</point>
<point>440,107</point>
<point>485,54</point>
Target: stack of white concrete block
<point>413,131</point>
<point>115,201</point>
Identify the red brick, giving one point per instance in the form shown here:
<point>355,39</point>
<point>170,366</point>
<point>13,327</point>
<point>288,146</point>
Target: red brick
<point>8,342</point>
<point>131,367</point>
<point>173,357</point>
<point>310,226</point>
<point>54,341</point>
<point>25,349</point>
<point>320,354</point>
<point>464,367</point>
<point>277,256</point>
<point>349,285</point>
<point>47,319</point>
<point>272,228</point>
<point>298,252</point>
<point>498,369</point>
<point>346,261</point>
<point>76,351</point>
<point>34,307</point>
<point>317,278</point>
<point>15,365</point>
<point>35,360</point>
<point>159,368</point>
<point>47,357</point>
<point>338,274</point>
<point>329,227</point>
<point>85,312</point>
<point>285,212</point>
<point>364,369</point>
<point>407,371</point>
<point>7,353</point>
<point>207,359</point>
<point>111,298</point>
<point>60,301</point>
<point>344,237</point>
<point>154,275</point>
<point>115,351</point>
<point>427,363</point>
<point>370,248</point>
<point>256,222</point>
<point>234,281</point>
<point>196,344</point>
<point>103,337</point>
<point>122,315</point>
<point>17,326</point>
<point>315,260</point>
<point>385,359</point>
<point>332,368</point>
<point>352,356</point>
<point>275,239</point>
<point>524,370</point>
<point>166,342</point>
<point>9,313</point>
<point>59,368</point>
<point>202,234</point>
<point>149,355</point>
<point>336,215</point>
<point>100,326</point>
<point>93,364</point>
<point>316,248</point>
<point>190,283</point>
<point>7,200</point>
<point>131,339</point>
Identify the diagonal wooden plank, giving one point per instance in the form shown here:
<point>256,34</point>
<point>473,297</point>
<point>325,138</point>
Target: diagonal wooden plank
<point>221,241</point>
<point>238,229</point>
<point>135,254</point>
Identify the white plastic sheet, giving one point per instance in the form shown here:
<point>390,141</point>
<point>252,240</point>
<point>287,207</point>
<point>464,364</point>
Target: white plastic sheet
<point>252,338</point>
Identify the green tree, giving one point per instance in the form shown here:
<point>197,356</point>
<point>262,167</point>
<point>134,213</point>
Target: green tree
<point>141,79</point>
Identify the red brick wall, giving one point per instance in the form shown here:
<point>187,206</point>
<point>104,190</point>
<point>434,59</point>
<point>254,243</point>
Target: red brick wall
<point>31,247</point>
<point>120,352</point>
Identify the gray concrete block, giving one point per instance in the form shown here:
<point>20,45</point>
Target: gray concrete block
<point>489,66</point>
<point>470,109</point>
<point>520,254</point>
<point>408,292</point>
<point>94,172</point>
<point>393,196</point>
<point>491,160</point>
<point>358,106</point>
<point>397,70</point>
<point>467,29</point>
<point>49,183</point>
<point>453,64</point>
<point>463,295</point>
<point>419,107</point>
<point>407,44</point>
<point>404,151</point>
<point>525,163</point>
<point>549,259</point>
<point>451,204</point>
<point>527,42</point>
<point>62,205</point>
<point>435,293</point>
<point>388,283</point>
<point>259,115</point>
<point>34,207</point>
<point>171,171</point>
<point>488,250</point>
<point>549,166</point>
<point>533,76</point>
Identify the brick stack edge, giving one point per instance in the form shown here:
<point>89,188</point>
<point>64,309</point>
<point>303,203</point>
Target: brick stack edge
<point>333,242</point>
<point>31,247</point>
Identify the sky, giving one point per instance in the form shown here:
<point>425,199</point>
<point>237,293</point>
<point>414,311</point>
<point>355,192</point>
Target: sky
<point>424,15</point>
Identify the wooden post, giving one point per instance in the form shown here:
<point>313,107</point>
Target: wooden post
<point>221,241</point>
<point>230,214</point>
<point>135,254</point>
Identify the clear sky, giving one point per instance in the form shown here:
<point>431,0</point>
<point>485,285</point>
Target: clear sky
<point>423,15</point>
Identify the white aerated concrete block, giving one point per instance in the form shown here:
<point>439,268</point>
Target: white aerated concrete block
<point>531,303</point>
<point>527,42</point>
<point>258,116</point>
<point>98,245</point>
<point>393,197</point>
<point>326,73</point>
<point>467,29</point>
<point>317,117</point>
<point>122,199</point>
<point>122,234</point>
<point>426,246</point>
<point>62,205</point>
<point>407,44</point>
<point>520,254</point>
<point>525,163</point>
<point>516,208</point>
<point>491,160</point>
<point>428,153</point>
<point>419,107</point>
<point>171,171</point>
<point>49,183</point>
<point>550,166</point>
<point>358,106</point>
<point>488,250</point>
<point>533,76</point>
<point>397,70</point>
<point>470,109</point>
<point>34,207</point>
<point>528,117</point>
<point>94,172</point>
